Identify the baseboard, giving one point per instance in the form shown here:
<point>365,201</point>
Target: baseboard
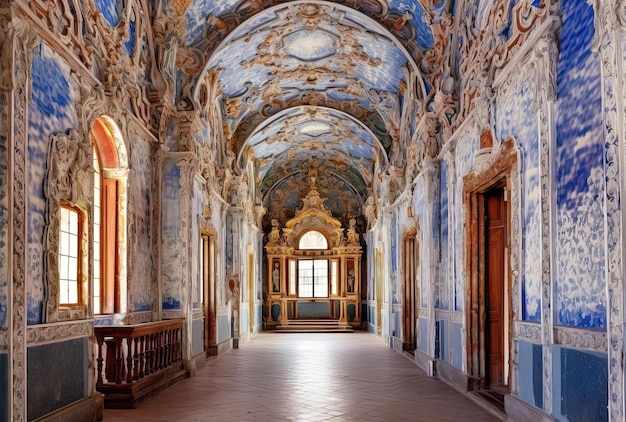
<point>88,409</point>
<point>456,378</point>
<point>225,346</point>
<point>518,410</point>
<point>423,360</point>
<point>194,364</point>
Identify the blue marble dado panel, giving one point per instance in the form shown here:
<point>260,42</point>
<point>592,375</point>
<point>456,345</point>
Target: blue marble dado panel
<point>580,298</point>
<point>140,237</point>
<point>422,341</point>
<point>197,336</point>
<point>580,381</point>
<point>530,373</point>
<point>57,375</point>
<point>51,111</point>
<point>443,348</point>
<point>4,211</point>
<point>515,117</point>
<point>464,160</point>
<point>444,276</point>
<point>171,243</point>
<point>4,387</point>
<point>456,343</point>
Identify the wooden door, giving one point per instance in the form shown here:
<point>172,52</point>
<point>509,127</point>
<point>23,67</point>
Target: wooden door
<point>495,253</point>
<point>409,264</point>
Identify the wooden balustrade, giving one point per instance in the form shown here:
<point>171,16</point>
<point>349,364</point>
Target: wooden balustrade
<point>134,361</point>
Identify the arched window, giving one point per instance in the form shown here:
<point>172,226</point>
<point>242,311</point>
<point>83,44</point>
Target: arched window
<point>108,223</point>
<point>313,240</point>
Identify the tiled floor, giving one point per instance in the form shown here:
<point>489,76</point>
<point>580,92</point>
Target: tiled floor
<point>308,377</point>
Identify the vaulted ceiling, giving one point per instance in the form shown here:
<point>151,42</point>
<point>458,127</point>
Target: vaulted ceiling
<point>301,84</point>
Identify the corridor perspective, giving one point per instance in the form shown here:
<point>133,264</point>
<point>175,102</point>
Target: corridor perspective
<point>183,180</point>
<point>308,377</point>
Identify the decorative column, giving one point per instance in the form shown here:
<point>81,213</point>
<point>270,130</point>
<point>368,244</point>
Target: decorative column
<point>187,164</point>
<point>609,36</point>
<point>545,60</point>
<point>21,40</point>
<point>430,241</point>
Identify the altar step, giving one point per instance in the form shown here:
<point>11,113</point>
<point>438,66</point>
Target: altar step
<point>314,326</point>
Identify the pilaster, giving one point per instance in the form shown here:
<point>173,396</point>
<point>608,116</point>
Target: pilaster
<point>607,44</point>
<point>545,59</point>
<point>22,41</point>
<point>187,163</point>
<point>430,238</point>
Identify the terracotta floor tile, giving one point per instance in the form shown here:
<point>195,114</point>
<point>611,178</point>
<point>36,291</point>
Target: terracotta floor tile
<point>308,377</point>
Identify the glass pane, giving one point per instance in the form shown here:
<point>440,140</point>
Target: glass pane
<point>72,296</point>
<point>305,278</point>
<point>313,240</point>
<point>73,228</point>
<point>72,269</point>
<point>334,276</point>
<point>64,243</point>
<point>63,267</point>
<point>292,276</point>
<point>73,245</point>
<point>63,297</point>
<point>320,271</point>
<point>65,217</point>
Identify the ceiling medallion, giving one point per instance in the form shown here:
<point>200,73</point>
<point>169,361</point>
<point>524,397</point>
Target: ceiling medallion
<point>309,45</point>
<point>309,10</point>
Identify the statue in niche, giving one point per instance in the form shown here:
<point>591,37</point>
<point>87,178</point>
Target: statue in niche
<point>276,278</point>
<point>370,211</point>
<point>411,164</point>
<point>351,280</point>
<point>234,299</point>
<point>352,235</point>
<point>274,235</point>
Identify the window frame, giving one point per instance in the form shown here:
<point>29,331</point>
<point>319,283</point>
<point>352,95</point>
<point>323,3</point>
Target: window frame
<point>313,277</point>
<point>79,304</point>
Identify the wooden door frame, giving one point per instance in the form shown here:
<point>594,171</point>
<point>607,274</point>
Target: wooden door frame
<point>410,266</point>
<point>497,171</point>
<point>208,281</point>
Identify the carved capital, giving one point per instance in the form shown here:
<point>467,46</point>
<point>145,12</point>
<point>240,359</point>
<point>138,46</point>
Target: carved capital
<point>6,52</point>
<point>621,13</point>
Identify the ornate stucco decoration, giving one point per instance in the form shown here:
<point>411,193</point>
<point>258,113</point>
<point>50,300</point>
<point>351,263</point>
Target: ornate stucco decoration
<point>69,181</point>
<point>101,53</point>
<point>485,52</point>
<point>5,53</point>
<point>313,216</point>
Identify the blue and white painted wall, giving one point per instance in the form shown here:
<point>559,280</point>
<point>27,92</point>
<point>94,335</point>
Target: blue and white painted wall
<point>141,290</point>
<point>171,217</point>
<point>52,110</point>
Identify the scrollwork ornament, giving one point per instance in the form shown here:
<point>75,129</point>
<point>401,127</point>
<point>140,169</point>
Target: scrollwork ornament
<point>621,13</point>
<point>45,333</point>
<point>23,43</point>
<point>606,44</point>
<point>528,331</point>
<point>68,181</point>
<point>6,52</point>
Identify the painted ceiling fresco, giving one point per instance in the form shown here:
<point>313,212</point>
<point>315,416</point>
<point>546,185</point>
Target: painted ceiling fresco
<point>302,83</point>
<point>307,134</point>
